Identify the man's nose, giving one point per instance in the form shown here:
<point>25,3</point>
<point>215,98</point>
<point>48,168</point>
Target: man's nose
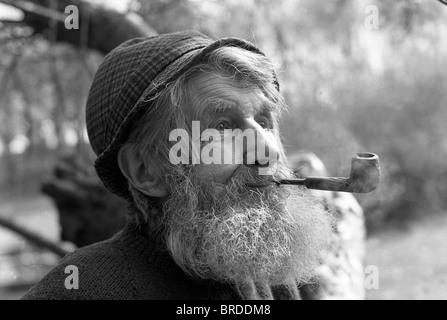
<point>261,150</point>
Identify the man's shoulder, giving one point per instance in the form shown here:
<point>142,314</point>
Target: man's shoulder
<point>97,271</point>
<point>125,267</point>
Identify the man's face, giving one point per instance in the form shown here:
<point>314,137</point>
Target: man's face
<point>216,227</point>
<point>223,104</point>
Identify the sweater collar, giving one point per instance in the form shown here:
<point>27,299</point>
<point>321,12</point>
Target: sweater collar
<point>148,252</point>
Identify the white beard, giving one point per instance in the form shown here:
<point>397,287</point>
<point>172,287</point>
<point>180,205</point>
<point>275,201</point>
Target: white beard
<point>255,239</point>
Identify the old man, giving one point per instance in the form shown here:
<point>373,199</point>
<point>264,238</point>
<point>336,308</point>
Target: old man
<point>186,129</point>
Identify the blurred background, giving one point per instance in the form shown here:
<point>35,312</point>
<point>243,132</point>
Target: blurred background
<point>358,75</point>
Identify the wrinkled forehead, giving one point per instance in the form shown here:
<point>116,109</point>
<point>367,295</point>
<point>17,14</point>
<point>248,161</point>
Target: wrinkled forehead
<point>216,93</point>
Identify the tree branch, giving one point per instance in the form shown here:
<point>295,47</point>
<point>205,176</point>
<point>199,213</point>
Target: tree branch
<point>28,6</point>
<point>100,28</point>
<point>34,238</point>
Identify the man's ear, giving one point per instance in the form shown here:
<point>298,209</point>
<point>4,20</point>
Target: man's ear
<point>133,168</point>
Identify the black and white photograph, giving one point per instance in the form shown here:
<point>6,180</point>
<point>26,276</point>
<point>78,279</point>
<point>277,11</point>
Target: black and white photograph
<point>231,151</point>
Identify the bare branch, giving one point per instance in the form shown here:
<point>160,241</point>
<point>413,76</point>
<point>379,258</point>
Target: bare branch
<point>96,23</point>
<point>34,238</point>
<point>29,6</point>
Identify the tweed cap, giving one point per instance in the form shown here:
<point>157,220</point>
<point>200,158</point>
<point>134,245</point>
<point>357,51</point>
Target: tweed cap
<point>128,77</point>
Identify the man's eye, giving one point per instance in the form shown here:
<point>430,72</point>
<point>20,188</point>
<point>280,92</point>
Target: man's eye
<point>264,123</point>
<point>222,125</point>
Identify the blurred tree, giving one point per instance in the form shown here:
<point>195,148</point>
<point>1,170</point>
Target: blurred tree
<point>7,130</point>
<point>92,213</point>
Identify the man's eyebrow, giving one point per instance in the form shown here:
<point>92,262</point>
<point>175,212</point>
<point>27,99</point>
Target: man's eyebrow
<point>218,106</point>
<point>269,106</point>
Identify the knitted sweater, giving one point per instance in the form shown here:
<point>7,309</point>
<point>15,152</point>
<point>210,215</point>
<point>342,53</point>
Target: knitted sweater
<point>125,267</point>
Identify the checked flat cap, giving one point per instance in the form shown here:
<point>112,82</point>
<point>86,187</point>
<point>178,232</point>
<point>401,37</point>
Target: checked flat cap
<point>128,77</point>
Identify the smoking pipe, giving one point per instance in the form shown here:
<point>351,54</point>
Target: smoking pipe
<point>364,177</point>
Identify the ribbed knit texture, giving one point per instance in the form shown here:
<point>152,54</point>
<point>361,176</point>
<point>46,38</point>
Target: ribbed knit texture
<point>125,267</point>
